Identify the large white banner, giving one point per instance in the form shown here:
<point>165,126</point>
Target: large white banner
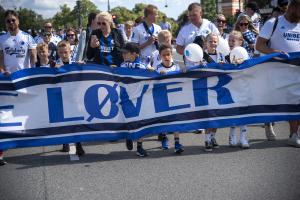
<point>45,106</point>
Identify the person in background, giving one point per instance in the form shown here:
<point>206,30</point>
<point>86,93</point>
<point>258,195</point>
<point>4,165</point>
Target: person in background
<point>49,29</point>
<point>17,50</point>
<point>128,31</point>
<point>245,25</point>
<point>145,34</point>
<point>252,11</point>
<point>281,38</point>
<point>165,25</point>
<point>43,56</point>
<point>52,53</point>
<point>198,27</point>
<point>220,22</point>
<point>106,42</point>
<point>72,38</point>
<point>283,6</point>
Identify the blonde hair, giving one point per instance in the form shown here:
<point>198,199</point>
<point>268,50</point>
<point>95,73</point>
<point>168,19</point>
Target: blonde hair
<point>129,24</point>
<point>237,34</point>
<point>251,26</point>
<point>210,36</point>
<point>108,17</point>
<point>63,44</point>
<point>41,46</point>
<point>219,15</point>
<point>163,35</point>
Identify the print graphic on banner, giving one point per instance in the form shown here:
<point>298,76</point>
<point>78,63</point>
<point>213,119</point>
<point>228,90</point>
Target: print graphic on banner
<point>45,106</point>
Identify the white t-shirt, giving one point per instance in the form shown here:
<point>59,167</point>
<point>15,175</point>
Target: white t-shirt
<point>286,36</point>
<point>173,68</point>
<point>188,33</point>
<point>140,36</point>
<point>55,39</point>
<point>155,59</point>
<point>15,50</point>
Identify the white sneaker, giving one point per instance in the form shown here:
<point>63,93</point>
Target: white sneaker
<point>294,140</point>
<point>243,138</point>
<point>232,138</point>
<point>270,134</point>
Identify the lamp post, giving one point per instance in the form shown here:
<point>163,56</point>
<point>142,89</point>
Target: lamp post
<point>78,3</point>
<point>108,6</point>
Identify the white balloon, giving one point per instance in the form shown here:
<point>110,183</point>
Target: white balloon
<point>193,52</point>
<point>223,46</point>
<point>238,55</point>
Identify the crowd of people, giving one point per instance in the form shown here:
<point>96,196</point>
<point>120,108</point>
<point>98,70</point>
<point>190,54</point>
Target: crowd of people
<point>146,45</point>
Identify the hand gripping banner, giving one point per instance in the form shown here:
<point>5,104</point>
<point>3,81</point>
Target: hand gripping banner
<point>47,106</point>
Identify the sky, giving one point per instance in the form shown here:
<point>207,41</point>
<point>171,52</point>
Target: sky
<point>47,8</point>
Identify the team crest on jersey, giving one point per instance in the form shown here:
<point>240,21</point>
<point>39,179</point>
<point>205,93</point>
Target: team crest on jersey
<point>112,42</point>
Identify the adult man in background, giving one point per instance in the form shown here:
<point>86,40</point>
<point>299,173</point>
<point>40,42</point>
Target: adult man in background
<point>17,50</point>
<point>197,27</point>
<point>55,39</point>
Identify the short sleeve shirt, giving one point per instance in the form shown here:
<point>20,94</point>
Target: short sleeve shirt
<point>188,33</point>
<point>173,68</point>
<point>286,36</point>
<point>137,64</point>
<point>55,39</point>
<point>15,50</point>
<point>140,36</point>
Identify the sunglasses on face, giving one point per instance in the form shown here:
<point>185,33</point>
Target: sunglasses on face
<point>47,26</point>
<point>101,23</point>
<point>10,21</point>
<point>70,35</point>
<point>244,24</point>
<point>47,35</point>
<point>221,21</point>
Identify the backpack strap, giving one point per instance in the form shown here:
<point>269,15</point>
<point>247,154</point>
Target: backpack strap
<point>274,27</point>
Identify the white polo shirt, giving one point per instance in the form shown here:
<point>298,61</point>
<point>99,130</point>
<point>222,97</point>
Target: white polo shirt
<point>15,50</point>
<point>286,36</point>
<point>140,36</point>
<point>188,33</point>
<point>55,39</point>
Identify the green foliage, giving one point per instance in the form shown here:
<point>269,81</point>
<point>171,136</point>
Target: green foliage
<point>209,9</point>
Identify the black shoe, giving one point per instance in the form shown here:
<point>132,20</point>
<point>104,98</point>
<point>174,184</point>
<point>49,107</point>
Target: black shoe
<point>65,148</point>
<point>160,137</point>
<point>214,143</point>
<point>2,162</point>
<point>79,149</point>
<point>129,144</point>
<point>208,146</point>
<point>141,152</point>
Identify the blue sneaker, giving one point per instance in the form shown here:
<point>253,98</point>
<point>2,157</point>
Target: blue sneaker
<point>165,143</point>
<point>178,148</point>
<point>140,151</point>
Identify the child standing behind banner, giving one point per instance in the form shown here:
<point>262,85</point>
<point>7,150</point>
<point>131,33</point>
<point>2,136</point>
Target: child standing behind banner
<point>211,55</point>
<point>64,53</point>
<point>236,40</point>
<point>167,65</point>
<point>130,53</point>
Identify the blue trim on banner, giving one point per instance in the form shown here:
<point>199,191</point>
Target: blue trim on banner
<point>184,126</point>
<point>194,115</point>
<point>140,72</point>
<point>7,107</point>
<point>8,94</point>
<point>12,124</point>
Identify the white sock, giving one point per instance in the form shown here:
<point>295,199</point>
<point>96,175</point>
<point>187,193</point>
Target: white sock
<point>208,137</point>
<point>232,131</point>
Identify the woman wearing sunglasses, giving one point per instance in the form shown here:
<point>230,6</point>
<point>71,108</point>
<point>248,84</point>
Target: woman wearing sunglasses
<point>106,42</point>
<point>245,26</point>
<point>72,38</point>
<point>220,22</point>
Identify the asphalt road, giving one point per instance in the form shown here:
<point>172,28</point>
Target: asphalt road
<point>268,170</point>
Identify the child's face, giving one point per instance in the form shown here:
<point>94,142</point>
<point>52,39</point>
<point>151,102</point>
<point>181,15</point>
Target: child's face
<point>129,56</point>
<point>42,53</point>
<point>233,41</point>
<point>212,43</point>
<point>166,57</point>
<point>64,53</point>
